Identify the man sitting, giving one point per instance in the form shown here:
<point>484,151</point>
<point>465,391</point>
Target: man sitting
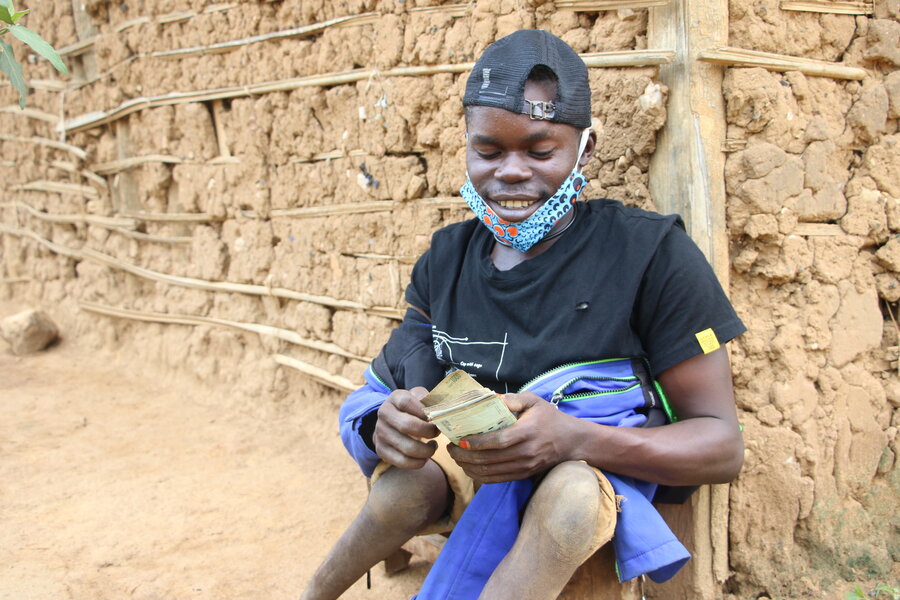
<point>600,324</point>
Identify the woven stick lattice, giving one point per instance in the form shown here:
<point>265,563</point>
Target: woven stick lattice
<point>203,284</point>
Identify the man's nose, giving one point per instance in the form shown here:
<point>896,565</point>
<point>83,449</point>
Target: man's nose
<point>513,168</point>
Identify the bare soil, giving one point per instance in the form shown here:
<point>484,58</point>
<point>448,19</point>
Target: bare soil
<point>118,484</point>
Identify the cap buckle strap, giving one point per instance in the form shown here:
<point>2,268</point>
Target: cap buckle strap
<point>539,110</point>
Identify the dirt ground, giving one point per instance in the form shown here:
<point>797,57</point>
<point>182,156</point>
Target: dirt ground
<point>120,484</point>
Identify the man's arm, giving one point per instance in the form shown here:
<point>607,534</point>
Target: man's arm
<point>704,446</point>
<point>384,419</point>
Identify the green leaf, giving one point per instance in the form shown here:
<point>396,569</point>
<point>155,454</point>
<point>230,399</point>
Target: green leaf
<point>13,69</point>
<point>8,4</point>
<point>38,44</point>
<point>10,16</point>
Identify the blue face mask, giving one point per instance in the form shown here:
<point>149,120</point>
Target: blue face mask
<point>525,234</point>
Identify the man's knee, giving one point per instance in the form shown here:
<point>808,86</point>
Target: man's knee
<point>573,512</point>
<point>409,499</point>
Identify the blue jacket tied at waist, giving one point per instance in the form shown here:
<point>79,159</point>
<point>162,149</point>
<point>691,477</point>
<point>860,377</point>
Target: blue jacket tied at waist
<point>610,392</point>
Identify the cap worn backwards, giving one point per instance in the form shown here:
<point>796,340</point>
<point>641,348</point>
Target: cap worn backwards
<point>498,78</point>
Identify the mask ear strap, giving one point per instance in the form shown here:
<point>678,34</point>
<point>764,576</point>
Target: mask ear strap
<point>585,134</point>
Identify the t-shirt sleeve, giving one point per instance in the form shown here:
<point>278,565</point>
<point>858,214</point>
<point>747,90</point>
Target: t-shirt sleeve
<point>681,310</point>
<point>417,292</point>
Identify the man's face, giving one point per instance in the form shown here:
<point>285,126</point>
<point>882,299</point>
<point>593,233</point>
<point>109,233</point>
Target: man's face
<point>517,163</point>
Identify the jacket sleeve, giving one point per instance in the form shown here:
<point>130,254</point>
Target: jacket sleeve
<point>358,405</point>
<point>407,360</point>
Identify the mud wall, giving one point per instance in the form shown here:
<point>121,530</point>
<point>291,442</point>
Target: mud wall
<point>813,220</point>
<point>239,190</point>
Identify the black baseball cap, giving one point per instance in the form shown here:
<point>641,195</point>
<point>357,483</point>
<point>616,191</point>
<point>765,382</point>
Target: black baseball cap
<point>498,78</point>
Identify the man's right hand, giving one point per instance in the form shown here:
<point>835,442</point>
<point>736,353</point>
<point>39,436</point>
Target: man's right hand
<point>400,429</point>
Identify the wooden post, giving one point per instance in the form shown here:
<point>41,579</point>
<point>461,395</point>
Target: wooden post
<point>86,66</point>
<point>687,169</point>
<point>124,187</point>
<point>687,177</point>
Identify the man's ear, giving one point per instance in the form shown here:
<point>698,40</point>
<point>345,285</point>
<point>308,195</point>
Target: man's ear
<point>589,148</point>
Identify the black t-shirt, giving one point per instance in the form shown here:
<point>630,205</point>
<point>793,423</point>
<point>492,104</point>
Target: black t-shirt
<point>620,283</point>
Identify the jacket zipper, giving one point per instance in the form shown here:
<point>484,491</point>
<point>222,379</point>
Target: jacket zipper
<point>558,396</point>
<point>555,370</point>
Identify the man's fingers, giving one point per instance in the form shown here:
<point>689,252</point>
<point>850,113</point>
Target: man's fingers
<point>399,460</point>
<point>482,456</point>
<point>403,411</point>
<point>410,425</point>
<point>504,471</point>
<point>520,402</point>
<point>409,401</point>
<point>494,440</point>
<point>390,439</point>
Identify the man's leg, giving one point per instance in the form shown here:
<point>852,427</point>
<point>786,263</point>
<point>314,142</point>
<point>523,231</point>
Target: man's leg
<point>569,517</point>
<point>400,504</point>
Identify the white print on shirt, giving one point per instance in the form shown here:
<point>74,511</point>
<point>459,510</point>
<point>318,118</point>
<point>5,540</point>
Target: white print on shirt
<point>444,342</point>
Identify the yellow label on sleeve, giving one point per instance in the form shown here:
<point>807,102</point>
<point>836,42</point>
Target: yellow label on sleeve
<point>708,340</point>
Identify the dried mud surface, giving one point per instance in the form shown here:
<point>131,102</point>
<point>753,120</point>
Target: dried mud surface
<point>123,483</point>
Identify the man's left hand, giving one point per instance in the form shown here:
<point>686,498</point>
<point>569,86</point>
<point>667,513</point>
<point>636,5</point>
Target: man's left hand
<point>542,438</point>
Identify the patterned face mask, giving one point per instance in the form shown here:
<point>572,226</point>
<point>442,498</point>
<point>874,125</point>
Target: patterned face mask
<point>525,234</point>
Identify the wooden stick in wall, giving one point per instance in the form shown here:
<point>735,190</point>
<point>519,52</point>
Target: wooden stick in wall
<point>628,58</point>
<point>82,154</point>
<point>122,226</point>
<point>80,47</point>
<point>115,166</point>
<point>75,219</point>
<point>337,209</point>
<point>231,45</point>
<point>738,57</point>
<point>57,187</point>
<point>334,381</point>
<point>333,155</point>
<point>97,118</point>
<point>71,167</point>
<point>453,10</point>
<point>829,6</point>
<point>172,217</point>
<point>52,246</point>
<point>47,85</point>
<point>149,237</point>
<point>31,113</point>
<point>286,335</point>
<point>599,5</point>
<point>219,286</point>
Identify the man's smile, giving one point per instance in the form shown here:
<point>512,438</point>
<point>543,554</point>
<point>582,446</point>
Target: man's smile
<point>514,203</point>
